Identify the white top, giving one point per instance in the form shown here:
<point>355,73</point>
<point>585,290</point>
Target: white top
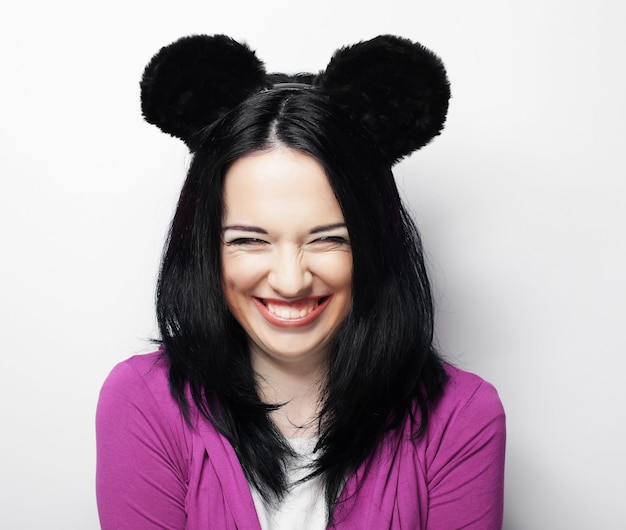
<point>304,505</point>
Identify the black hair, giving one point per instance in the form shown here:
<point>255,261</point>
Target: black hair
<point>382,366</point>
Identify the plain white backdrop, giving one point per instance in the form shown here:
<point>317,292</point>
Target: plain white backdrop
<point>521,203</point>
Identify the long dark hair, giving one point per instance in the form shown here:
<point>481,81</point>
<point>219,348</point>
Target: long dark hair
<point>382,366</point>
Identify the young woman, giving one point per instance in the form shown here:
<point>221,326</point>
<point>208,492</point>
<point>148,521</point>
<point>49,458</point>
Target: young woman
<point>296,385</point>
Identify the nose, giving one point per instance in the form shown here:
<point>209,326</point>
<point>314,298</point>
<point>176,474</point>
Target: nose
<point>290,276</point>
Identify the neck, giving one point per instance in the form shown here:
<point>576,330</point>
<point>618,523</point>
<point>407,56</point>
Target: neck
<point>296,386</point>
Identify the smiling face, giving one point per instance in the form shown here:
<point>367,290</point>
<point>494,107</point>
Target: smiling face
<point>286,258</point>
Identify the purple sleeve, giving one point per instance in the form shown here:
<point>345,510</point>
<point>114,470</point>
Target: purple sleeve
<point>140,474</point>
<point>466,475</point>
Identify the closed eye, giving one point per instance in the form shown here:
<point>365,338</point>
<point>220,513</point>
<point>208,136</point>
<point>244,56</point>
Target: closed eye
<point>330,243</point>
<point>243,241</point>
<point>331,239</point>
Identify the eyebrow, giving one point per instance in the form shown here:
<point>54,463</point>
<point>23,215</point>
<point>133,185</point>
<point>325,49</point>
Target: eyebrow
<point>259,230</point>
<point>245,228</point>
<point>326,228</point>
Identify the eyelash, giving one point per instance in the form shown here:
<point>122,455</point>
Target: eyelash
<point>331,239</point>
<point>340,240</point>
<point>245,241</point>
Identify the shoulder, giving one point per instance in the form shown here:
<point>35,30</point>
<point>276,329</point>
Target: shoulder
<point>468,418</point>
<point>136,411</point>
<point>143,447</point>
<point>138,388</point>
<point>139,374</point>
<point>458,462</point>
<point>467,392</point>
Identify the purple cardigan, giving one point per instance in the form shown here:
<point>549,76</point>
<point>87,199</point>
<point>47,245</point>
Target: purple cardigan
<point>154,471</point>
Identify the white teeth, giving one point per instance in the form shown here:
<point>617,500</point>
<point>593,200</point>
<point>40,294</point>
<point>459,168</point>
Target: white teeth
<point>289,313</point>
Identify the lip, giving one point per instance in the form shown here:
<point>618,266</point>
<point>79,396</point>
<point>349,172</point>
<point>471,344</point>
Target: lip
<point>321,301</point>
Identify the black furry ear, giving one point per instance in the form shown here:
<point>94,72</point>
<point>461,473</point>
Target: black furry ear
<point>194,81</point>
<point>397,89</point>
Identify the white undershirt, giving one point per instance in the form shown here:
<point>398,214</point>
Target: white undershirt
<point>304,505</point>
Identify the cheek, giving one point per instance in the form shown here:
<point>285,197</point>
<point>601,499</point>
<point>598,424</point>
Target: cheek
<point>235,285</point>
<point>336,270</point>
<point>344,282</point>
<point>241,276</point>
<point>231,281</point>
<point>238,273</point>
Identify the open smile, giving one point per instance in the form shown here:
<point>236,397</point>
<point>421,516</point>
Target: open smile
<point>292,314</point>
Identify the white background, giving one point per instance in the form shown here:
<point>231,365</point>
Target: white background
<point>521,203</point>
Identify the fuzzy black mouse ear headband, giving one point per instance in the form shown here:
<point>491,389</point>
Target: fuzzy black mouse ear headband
<point>397,89</point>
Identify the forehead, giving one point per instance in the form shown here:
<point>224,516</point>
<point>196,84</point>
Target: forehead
<point>279,185</point>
